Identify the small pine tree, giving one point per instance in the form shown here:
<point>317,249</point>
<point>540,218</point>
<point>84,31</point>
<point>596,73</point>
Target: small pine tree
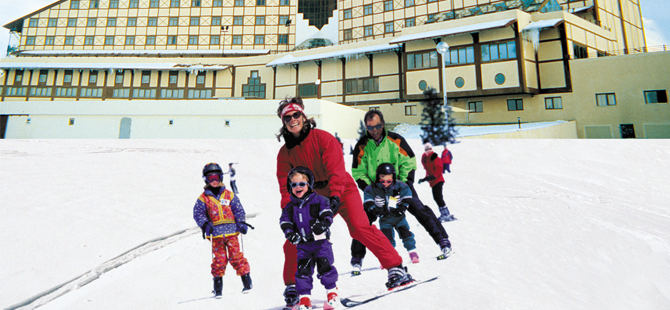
<point>433,120</point>
<point>362,131</point>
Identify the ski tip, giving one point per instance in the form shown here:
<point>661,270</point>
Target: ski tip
<point>355,273</point>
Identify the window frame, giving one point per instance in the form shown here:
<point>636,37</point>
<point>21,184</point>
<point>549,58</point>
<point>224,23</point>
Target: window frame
<point>368,9</point>
<point>553,103</point>
<point>605,99</point>
<point>478,107</point>
<point>658,100</point>
<point>518,104</point>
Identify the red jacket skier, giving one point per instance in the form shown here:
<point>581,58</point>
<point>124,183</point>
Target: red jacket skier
<point>320,152</point>
<point>433,165</point>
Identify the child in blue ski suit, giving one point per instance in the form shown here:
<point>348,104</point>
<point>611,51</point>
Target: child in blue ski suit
<point>388,199</point>
<point>305,221</point>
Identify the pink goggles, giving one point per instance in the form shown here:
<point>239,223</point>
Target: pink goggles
<point>212,177</point>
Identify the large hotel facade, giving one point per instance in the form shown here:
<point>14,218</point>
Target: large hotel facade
<point>508,61</point>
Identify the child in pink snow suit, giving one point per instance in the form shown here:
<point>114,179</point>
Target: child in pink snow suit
<point>305,221</point>
<point>220,215</point>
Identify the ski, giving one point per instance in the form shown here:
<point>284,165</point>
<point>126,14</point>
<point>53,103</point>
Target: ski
<point>355,273</point>
<point>350,303</point>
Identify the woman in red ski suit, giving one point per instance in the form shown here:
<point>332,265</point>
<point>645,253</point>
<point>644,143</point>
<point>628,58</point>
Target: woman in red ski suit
<point>319,151</point>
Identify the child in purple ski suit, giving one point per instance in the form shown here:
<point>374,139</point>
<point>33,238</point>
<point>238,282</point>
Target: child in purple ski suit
<point>305,221</point>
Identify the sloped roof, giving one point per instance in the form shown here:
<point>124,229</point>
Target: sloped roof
<point>453,31</point>
<point>290,59</point>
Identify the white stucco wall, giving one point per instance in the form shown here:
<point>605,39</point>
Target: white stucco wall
<point>150,119</point>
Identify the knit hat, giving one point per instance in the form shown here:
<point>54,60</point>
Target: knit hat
<point>427,146</point>
<point>291,107</point>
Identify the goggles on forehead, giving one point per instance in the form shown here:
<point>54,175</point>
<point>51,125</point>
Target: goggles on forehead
<point>301,184</point>
<point>212,177</point>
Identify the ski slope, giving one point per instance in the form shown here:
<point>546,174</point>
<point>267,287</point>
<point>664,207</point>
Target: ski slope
<point>542,224</point>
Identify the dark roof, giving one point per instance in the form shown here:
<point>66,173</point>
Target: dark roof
<point>17,24</point>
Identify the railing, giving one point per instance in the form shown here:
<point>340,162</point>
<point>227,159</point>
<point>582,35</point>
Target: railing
<point>639,50</point>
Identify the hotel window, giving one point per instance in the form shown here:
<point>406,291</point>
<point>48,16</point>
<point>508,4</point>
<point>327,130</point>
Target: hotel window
<point>89,40</point>
<point>130,40</point>
<point>506,50</point>
<point>72,22</point>
<point>655,96</point>
<point>367,10</point>
<point>464,55</point>
<point>283,39</point>
<point>173,21</point>
<point>18,76</point>
<point>580,51</point>
<point>239,2</point>
<point>476,107</point>
<point>153,3</point>
<point>174,76</point>
<point>347,14</point>
<point>109,40</point>
<point>195,21</point>
<point>410,22</point>
<point>93,77</point>
<point>199,94</point>
<point>260,20</point>
<point>431,18</point>
<point>113,4</point>
<point>260,2</point>
<point>253,88</point>
<point>49,40</point>
<point>121,93</point>
<point>373,108</point>
<point>514,104</point>
<point>111,22</point>
<point>133,3</point>
<point>192,40</point>
<point>153,21</point>
<point>172,40</point>
<point>237,40</point>
<point>422,60</point>
<point>259,39</point>
<point>200,79</point>
<point>53,22</point>
<point>172,93</point>
<point>195,3</point>
<point>30,40</point>
<point>603,100</point>
<point>33,22</point>
<point>347,34</point>
<point>409,3</point>
<point>67,77</point>
<point>151,40</point>
<point>283,19</point>
<point>388,5</point>
<point>144,93</point>
<point>174,3</point>
<point>284,2</point>
<point>66,92</point>
<point>553,103</point>
<point>216,21</point>
<point>217,3</point>
<point>74,4</point>
<point>146,77</point>
<point>307,90</point>
<point>410,110</point>
<point>69,40</point>
<point>368,31</point>
<point>118,79</point>
<point>214,40</point>
<point>132,22</point>
<point>43,77</point>
<point>361,86</point>
<point>388,27</point>
<point>238,20</point>
<point>94,4</point>
<point>90,22</point>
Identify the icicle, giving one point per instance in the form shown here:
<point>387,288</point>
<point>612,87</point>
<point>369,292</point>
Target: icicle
<point>533,36</point>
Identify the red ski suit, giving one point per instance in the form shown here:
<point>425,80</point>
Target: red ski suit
<point>322,153</point>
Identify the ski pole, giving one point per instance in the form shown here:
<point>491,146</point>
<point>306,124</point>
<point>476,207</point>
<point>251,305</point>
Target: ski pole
<point>245,223</point>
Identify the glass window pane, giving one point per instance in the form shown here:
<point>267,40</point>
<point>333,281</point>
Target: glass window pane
<point>494,52</point>
<point>433,59</point>
<point>511,49</point>
<point>426,60</point>
<point>461,56</point>
<point>601,100</point>
<point>485,53</point>
<point>503,50</point>
<point>470,54</point>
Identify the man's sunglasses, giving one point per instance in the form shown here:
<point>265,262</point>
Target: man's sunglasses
<point>376,127</point>
<point>287,118</point>
<point>301,184</point>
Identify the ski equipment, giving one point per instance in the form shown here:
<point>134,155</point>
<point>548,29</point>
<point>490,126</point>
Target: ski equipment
<point>360,300</point>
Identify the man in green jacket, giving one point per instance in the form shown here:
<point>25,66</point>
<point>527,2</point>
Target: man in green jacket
<point>379,146</point>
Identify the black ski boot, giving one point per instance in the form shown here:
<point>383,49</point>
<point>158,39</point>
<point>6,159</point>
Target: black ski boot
<point>291,296</point>
<point>246,281</point>
<point>398,277</point>
<point>218,286</point>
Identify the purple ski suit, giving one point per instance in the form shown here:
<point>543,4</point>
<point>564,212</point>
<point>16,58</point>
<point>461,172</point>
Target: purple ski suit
<point>298,216</point>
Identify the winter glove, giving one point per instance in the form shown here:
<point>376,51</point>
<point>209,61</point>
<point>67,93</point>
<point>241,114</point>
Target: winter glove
<point>400,210</point>
<point>207,228</point>
<point>334,204</point>
<point>380,201</point>
<point>292,237</point>
<point>242,228</point>
<point>320,227</point>
<point>421,181</point>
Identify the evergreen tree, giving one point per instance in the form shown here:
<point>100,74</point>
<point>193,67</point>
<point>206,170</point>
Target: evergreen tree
<point>433,120</point>
<point>362,131</point>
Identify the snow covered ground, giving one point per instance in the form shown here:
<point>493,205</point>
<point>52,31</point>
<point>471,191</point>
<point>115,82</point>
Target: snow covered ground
<point>542,224</point>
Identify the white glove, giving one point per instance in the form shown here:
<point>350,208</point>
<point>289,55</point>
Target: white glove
<point>380,201</point>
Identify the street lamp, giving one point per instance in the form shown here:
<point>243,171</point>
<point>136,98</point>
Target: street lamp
<point>224,29</point>
<point>443,49</point>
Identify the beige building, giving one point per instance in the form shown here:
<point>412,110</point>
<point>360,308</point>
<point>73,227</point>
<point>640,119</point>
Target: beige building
<point>508,61</point>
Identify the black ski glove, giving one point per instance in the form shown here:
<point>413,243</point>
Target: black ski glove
<point>292,237</point>
<point>242,227</point>
<point>320,227</point>
<point>207,228</point>
<point>334,204</point>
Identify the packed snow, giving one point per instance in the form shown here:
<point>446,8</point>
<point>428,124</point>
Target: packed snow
<point>542,224</point>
